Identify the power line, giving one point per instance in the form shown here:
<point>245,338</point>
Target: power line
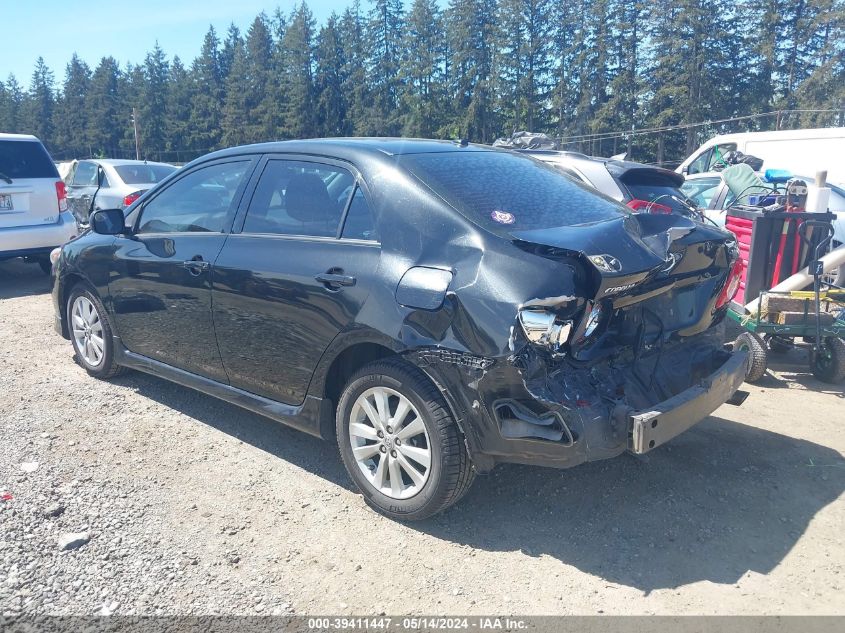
<point>601,136</point>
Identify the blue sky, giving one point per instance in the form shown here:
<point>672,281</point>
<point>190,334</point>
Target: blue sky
<point>54,29</point>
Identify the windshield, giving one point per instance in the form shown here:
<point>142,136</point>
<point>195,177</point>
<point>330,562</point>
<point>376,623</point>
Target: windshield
<point>506,191</point>
<point>25,159</point>
<point>143,174</point>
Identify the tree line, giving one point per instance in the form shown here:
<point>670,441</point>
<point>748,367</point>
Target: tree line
<point>605,76</point>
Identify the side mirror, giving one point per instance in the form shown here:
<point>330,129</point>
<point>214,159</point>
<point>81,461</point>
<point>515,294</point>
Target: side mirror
<point>108,222</point>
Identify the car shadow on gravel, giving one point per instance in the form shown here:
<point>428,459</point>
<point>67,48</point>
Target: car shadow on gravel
<point>721,500</point>
<point>717,502</point>
<point>20,279</point>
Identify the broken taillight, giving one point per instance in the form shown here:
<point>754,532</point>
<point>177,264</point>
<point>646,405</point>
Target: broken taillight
<point>61,195</point>
<point>731,285</point>
<point>647,206</point>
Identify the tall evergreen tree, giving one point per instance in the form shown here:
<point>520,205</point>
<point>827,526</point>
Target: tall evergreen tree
<point>38,113</point>
<point>385,38</point>
<point>354,75</point>
<point>11,105</point>
<point>300,115</point>
<point>424,67</point>
<point>152,112</point>
<point>206,96</point>
<point>71,114</point>
<point>330,77</point>
<point>106,116</point>
<point>178,112</point>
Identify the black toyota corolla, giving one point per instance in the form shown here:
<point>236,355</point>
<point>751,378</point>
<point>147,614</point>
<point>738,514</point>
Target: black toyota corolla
<point>439,307</point>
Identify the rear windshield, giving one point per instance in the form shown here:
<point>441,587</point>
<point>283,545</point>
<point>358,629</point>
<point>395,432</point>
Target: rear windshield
<point>505,191</point>
<point>671,197</point>
<point>25,159</point>
<point>142,174</point>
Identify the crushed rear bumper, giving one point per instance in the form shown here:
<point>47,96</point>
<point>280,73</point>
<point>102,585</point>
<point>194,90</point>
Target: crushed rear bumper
<point>667,419</point>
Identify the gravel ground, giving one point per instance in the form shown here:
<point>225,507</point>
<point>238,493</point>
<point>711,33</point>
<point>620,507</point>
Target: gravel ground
<point>141,497</point>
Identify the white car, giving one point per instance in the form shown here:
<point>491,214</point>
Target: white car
<point>34,216</point>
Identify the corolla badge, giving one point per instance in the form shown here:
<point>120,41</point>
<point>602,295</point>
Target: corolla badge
<point>606,263</point>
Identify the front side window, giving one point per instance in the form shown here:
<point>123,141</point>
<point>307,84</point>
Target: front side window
<point>504,192</point>
<point>701,163</point>
<point>717,160</point>
<point>299,198</point>
<point>199,202</point>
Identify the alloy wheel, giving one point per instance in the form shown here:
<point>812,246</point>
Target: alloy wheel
<point>87,331</point>
<point>390,442</point>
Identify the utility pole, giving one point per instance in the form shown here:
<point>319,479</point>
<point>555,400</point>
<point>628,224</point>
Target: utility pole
<point>137,144</point>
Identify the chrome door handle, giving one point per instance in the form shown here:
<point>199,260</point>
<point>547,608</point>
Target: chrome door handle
<point>196,266</point>
<point>335,280</point>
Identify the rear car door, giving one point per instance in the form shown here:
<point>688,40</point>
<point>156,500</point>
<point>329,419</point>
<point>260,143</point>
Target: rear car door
<point>294,274</point>
<point>28,184</point>
<point>162,273</point>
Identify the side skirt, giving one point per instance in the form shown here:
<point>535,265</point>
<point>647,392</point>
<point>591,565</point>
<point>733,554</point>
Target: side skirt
<point>305,417</point>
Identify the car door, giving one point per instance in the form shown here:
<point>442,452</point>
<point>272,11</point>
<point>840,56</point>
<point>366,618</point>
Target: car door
<point>161,280</point>
<point>82,187</point>
<point>294,274</point>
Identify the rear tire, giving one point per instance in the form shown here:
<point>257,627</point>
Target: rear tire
<point>829,365</point>
<point>91,333</point>
<point>391,422</point>
<point>758,355</point>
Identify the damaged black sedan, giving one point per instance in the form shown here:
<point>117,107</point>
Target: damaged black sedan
<point>438,307</point>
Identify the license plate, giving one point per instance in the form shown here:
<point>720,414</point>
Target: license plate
<point>6,203</point>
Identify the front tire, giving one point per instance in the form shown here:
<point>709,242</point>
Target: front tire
<point>829,363</point>
<point>400,443</point>
<point>91,333</point>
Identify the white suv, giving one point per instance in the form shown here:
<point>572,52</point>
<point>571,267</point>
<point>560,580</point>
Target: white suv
<point>34,216</point>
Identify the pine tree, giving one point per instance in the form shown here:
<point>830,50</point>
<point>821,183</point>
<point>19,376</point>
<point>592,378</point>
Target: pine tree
<point>41,101</point>
<point>11,105</point>
<point>300,116</point>
<point>236,109</point>
<point>471,32</point>
<point>178,109</point>
<point>71,115</point>
<point>423,67</point>
<point>355,86</point>
<point>385,37</point>
<point>261,115</point>
<point>152,111</point>
<point>330,78</point>
<point>206,95</point>
<point>106,118</point>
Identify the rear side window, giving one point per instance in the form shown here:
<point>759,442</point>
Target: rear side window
<point>143,174</point>
<point>502,191</point>
<point>359,223</point>
<point>26,159</point>
<point>299,198</point>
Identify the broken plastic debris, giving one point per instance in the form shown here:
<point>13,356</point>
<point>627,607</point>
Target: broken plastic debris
<point>6,496</point>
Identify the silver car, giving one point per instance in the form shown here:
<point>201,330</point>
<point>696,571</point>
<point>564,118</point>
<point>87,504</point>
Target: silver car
<point>110,184</point>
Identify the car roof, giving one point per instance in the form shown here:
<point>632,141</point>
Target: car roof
<point>617,168</point>
<point>117,162</point>
<point>348,147</point>
<point>17,137</point>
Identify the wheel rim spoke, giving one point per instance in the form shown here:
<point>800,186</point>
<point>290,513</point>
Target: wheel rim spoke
<point>402,410</point>
<point>395,477</point>
<point>378,475</point>
<point>380,397</point>
<point>413,428</point>
<point>371,413</point>
<point>417,477</point>
<point>365,452</point>
<point>420,455</point>
<point>359,429</point>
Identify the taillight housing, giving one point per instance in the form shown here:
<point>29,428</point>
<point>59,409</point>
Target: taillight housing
<point>646,206</point>
<point>132,197</point>
<point>731,286</point>
<point>61,195</point>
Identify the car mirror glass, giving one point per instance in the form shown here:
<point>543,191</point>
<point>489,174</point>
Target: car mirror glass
<point>108,222</point>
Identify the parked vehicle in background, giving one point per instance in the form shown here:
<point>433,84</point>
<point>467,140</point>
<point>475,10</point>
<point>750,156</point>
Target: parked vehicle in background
<point>110,184</point>
<point>643,188</point>
<point>711,194</point>
<point>799,151</point>
<point>437,307</point>
<point>34,217</point>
